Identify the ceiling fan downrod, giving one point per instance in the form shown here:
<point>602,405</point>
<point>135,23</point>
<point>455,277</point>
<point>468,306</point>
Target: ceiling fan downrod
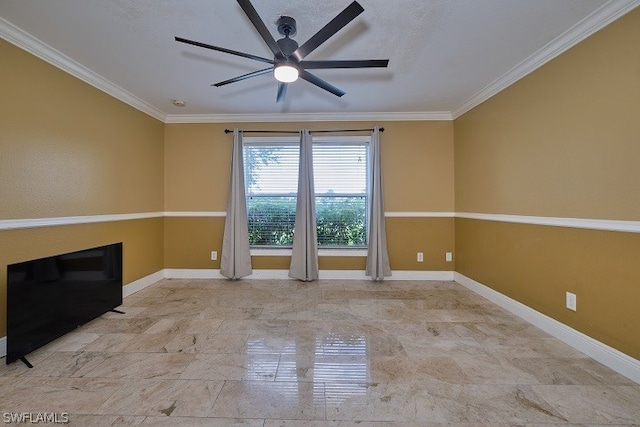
<point>287,28</point>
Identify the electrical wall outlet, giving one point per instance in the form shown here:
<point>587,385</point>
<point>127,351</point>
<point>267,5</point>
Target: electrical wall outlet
<point>448,256</point>
<point>571,301</point>
<point>420,257</point>
<point>214,255</point>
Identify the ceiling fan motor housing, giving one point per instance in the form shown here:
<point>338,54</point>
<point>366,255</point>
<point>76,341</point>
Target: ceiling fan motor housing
<point>287,46</point>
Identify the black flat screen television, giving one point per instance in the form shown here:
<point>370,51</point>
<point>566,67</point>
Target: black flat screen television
<point>48,297</point>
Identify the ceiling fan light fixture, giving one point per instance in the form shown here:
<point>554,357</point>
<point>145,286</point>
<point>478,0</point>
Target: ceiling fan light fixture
<point>286,73</point>
<point>288,57</point>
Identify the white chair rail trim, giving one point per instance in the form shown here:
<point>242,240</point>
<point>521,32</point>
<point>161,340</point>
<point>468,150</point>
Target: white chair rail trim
<point>13,224</point>
<point>584,223</point>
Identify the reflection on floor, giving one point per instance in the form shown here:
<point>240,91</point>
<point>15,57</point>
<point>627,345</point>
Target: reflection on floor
<point>327,353</point>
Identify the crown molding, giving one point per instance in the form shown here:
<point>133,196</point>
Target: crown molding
<point>27,42</point>
<point>310,117</point>
<point>597,20</point>
<point>606,14</point>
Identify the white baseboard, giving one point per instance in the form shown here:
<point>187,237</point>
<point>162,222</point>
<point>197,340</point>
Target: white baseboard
<point>3,346</point>
<point>324,274</point>
<point>608,356</point>
<point>142,283</point>
<point>192,273</point>
<point>421,275</point>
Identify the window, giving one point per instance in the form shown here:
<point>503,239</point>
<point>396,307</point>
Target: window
<point>340,167</point>
<point>340,180</point>
<point>271,182</point>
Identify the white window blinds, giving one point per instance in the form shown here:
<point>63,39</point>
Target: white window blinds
<point>340,180</point>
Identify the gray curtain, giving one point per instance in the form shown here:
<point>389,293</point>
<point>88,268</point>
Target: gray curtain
<point>304,257</point>
<point>377,256</point>
<point>236,258</point>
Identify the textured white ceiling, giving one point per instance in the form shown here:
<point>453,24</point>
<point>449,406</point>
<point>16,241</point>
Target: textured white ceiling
<point>445,55</point>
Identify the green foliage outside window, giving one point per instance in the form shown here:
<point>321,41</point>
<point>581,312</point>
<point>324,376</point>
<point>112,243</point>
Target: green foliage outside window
<point>271,220</point>
<point>340,221</point>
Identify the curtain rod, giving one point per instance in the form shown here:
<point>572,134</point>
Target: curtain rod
<point>296,132</point>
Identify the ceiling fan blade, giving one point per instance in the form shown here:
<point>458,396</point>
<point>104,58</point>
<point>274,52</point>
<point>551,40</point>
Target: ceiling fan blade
<point>222,49</point>
<point>282,91</point>
<point>320,83</point>
<point>244,77</point>
<point>257,22</point>
<point>336,24</point>
<point>366,63</point>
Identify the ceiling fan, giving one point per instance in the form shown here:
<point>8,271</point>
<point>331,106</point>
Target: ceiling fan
<point>288,58</point>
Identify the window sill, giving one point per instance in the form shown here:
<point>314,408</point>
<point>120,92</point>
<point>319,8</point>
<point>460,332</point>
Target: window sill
<point>342,252</point>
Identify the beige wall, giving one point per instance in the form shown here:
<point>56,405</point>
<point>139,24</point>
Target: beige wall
<point>562,142</point>
<point>68,149</point>
<point>417,160</point>
<point>197,167</point>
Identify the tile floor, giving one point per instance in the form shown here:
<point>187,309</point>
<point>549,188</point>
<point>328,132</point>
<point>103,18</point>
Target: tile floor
<point>327,353</point>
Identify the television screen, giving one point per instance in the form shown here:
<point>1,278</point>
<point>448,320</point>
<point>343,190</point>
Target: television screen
<point>48,297</point>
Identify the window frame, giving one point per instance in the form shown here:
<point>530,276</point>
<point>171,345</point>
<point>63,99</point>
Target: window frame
<point>337,140</point>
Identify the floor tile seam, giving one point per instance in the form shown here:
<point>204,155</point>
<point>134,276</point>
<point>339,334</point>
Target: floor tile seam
<point>211,352</point>
<point>610,387</point>
<point>98,406</point>
<point>324,403</point>
<point>555,408</point>
<point>213,403</point>
<point>141,353</point>
<point>519,388</point>
<point>136,380</point>
<point>155,377</point>
<point>216,328</point>
<point>73,414</point>
<point>124,414</point>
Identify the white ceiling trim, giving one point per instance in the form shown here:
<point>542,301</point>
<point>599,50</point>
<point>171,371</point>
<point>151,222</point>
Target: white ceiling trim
<point>600,18</point>
<point>27,42</point>
<point>309,117</point>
